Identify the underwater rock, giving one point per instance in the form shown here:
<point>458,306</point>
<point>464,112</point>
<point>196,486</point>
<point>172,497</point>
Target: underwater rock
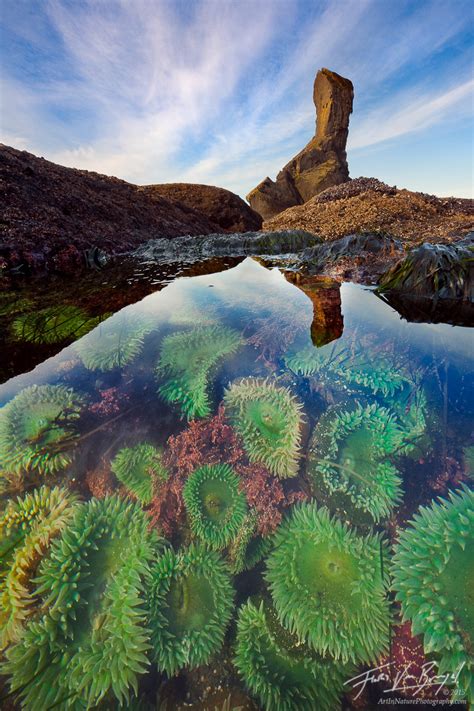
<point>329,586</point>
<point>37,429</point>
<point>27,527</point>
<point>190,249</point>
<point>433,571</point>
<point>325,295</point>
<point>323,162</point>
<point>89,637</point>
<point>349,461</point>
<point>361,257</point>
<point>140,469</point>
<point>191,602</point>
<point>282,672</point>
<point>269,420</point>
<point>434,271</point>
<point>215,505</point>
<point>186,361</point>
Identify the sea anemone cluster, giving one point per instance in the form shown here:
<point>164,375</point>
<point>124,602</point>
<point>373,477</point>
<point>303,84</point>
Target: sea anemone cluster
<point>115,342</point>
<point>283,673</point>
<point>215,505</point>
<point>191,602</point>
<point>53,324</point>
<point>27,527</point>
<point>433,577</point>
<point>140,469</point>
<point>89,639</point>
<point>348,460</point>
<point>269,420</point>
<point>185,364</point>
<point>329,586</point>
<point>37,428</point>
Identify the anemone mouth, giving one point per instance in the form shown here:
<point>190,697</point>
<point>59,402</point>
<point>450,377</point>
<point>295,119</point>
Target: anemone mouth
<point>327,574</point>
<point>190,604</point>
<point>216,507</point>
<point>267,418</point>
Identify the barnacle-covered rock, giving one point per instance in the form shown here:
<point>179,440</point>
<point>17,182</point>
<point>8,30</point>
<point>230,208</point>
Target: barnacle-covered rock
<point>269,420</point>
<point>89,639</point>
<point>215,505</point>
<point>329,587</point>
<point>433,577</point>
<point>191,603</point>
<point>36,428</point>
<point>186,361</point>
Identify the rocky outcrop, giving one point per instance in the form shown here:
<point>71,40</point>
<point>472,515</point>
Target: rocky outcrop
<point>369,205</point>
<point>322,163</point>
<point>225,209</point>
<point>359,257</point>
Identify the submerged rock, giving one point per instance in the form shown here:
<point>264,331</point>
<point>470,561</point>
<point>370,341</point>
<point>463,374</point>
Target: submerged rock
<point>322,163</point>
<point>358,256</point>
<point>188,248</point>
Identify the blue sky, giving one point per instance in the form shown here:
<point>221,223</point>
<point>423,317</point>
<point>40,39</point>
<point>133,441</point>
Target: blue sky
<point>220,91</point>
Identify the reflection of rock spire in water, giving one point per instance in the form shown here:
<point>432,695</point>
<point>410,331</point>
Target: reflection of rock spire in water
<point>325,295</point>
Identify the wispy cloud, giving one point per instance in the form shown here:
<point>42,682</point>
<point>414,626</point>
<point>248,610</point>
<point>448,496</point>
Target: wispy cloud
<point>219,91</point>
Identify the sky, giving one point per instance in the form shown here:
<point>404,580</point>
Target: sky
<point>220,91</point>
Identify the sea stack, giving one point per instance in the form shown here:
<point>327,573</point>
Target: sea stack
<point>323,162</point>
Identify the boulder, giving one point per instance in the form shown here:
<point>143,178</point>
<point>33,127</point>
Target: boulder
<point>225,209</point>
<point>323,162</point>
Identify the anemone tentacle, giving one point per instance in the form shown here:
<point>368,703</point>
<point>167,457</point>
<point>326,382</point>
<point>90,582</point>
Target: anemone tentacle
<point>215,505</point>
<point>348,460</point>
<point>329,586</point>
<point>191,603</point>
<point>90,637</point>
<point>115,342</point>
<point>284,674</point>
<point>433,577</point>
<point>27,527</point>
<point>269,420</point>
<point>140,469</point>
<point>53,324</point>
<point>248,547</point>
<point>35,427</point>
<point>185,364</point>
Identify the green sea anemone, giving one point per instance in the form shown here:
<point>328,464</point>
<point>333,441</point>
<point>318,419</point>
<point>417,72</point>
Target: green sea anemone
<point>354,370</point>
<point>282,672</point>
<point>268,418</point>
<point>89,639</point>
<point>140,469</point>
<point>54,324</point>
<point>433,576</point>
<point>215,506</point>
<point>36,427</point>
<point>27,527</point>
<point>115,342</point>
<point>348,459</point>
<point>191,600</point>
<point>247,547</point>
<point>328,585</point>
<point>186,360</point>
